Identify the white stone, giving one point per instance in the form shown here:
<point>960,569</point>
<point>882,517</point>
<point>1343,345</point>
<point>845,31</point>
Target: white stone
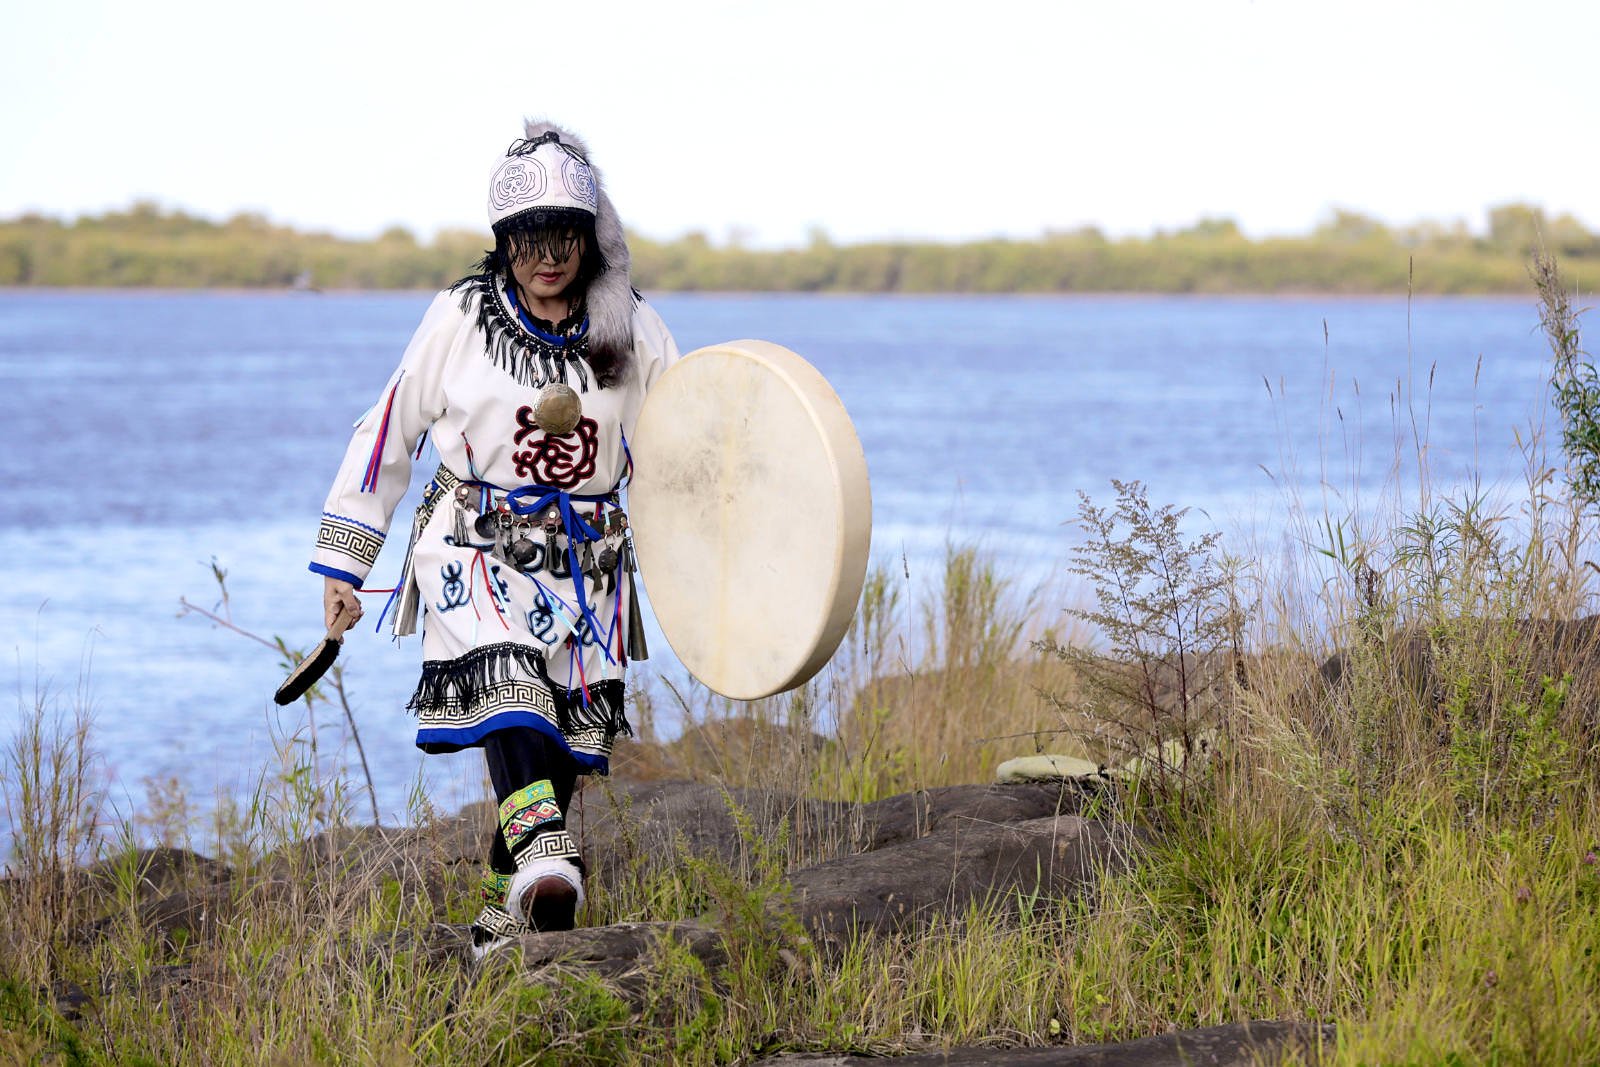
<point>1046,768</point>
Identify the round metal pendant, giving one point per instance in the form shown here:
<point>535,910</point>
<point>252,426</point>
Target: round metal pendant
<point>558,409</point>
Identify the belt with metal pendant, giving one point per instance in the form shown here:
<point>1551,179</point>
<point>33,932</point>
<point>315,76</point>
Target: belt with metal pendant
<point>524,528</point>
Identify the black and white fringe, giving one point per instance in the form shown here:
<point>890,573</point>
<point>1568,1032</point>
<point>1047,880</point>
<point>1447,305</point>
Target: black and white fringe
<point>466,680</point>
<point>531,360</point>
<point>605,710</point>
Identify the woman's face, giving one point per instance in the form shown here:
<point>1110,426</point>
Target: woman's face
<point>542,278</point>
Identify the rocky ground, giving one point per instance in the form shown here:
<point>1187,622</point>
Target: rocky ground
<point>896,863</point>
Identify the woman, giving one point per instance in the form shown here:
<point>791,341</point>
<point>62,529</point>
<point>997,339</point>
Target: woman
<point>529,376</point>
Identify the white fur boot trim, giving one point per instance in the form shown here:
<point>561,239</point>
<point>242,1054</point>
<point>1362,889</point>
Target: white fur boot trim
<point>547,867</point>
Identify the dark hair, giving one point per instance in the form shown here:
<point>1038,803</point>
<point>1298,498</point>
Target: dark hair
<point>545,232</point>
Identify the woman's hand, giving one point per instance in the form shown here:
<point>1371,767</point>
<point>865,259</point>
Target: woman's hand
<point>339,596</point>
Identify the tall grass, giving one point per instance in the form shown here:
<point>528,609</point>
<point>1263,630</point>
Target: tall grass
<point>931,686</point>
<point>1397,831</point>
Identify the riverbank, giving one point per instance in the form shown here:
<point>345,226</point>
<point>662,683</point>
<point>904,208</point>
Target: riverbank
<point>1392,850</point>
<point>147,246</point>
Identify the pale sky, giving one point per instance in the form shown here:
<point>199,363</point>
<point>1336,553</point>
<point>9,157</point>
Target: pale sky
<point>868,119</point>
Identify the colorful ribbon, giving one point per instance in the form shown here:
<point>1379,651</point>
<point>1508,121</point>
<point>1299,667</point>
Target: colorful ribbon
<point>369,481</point>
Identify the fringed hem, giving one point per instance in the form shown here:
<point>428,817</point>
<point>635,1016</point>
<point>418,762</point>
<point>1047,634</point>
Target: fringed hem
<point>439,742</point>
<point>466,680</point>
<point>605,710</point>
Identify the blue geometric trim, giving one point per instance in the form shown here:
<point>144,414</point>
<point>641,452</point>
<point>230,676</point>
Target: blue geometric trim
<point>353,522</point>
<point>437,741</point>
<point>335,572</point>
<point>349,539</point>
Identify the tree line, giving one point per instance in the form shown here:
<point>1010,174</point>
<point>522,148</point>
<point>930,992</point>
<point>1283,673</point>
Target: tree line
<point>148,246</point>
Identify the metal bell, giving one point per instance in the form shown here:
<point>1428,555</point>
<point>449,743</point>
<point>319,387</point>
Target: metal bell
<point>523,552</point>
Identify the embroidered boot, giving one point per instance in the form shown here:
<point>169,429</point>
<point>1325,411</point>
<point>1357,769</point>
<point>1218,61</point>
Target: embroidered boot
<point>494,927</point>
<point>547,890</point>
<point>546,894</point>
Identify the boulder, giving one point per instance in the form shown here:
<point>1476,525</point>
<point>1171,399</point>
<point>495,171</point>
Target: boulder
<point>617,950</point>
<point>153,871</point>
<point>622,823</point>
<point>969,862</point>
<point>1248,1044</point>
<point>908,816</point>
<point>623,953</point>
<point>1544,647</point>
<point>622,826</point>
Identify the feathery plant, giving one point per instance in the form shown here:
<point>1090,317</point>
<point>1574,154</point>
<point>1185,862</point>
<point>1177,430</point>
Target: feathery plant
<point>1574,378</point>
<point>1169,612</point>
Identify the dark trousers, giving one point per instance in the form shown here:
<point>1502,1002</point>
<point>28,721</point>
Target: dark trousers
<point>518,757</point>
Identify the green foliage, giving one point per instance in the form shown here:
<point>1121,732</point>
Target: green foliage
<point>1517,764</point>
<point>1171,626</point>
<point>1351,253</point>
<point>1574,379</point>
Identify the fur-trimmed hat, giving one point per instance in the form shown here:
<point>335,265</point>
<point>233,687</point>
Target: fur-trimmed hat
<point>548,175</point>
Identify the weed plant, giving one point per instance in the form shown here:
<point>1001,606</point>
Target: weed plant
<point>1395,830</point>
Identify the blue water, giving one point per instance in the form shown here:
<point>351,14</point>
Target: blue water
<point>152,432</point>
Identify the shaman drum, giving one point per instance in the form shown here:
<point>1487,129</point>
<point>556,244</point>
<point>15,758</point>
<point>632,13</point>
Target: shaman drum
<point>751,516</point>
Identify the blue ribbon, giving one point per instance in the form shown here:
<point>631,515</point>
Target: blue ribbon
<point>578,531</point>
<point>527,323</point>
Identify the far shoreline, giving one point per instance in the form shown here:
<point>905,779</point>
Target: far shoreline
<point>1076,294</point>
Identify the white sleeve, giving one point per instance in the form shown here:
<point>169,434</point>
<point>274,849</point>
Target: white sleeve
<point>654,351</point>
<point>654,347</point>
<point>377,466</point>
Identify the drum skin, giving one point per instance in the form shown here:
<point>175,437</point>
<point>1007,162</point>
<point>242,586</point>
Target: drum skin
<point>751,516</point>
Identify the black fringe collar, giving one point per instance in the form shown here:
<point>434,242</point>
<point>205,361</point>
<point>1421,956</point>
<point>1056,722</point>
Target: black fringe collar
<point>527,357</point>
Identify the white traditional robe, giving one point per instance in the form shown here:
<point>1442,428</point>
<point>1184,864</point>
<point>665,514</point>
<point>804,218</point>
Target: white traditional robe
<point>502,645</point>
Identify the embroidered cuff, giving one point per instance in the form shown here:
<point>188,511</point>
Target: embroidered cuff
<point>528,811</point>
<point>554,845</point>
<point>347,544</point>
<point>495,919</point>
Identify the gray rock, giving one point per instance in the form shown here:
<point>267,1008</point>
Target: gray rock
<point>1545,646</point>
<point>620,949</point>
<point>967,862</point>
<point>157,870</point>
<point>175,894</point>
<point>624,953</point>
<point>618,824</point>
<point>909,816</point>
<point>1250,1044</point>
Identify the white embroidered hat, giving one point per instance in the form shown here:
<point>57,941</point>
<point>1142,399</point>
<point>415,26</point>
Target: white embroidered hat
<point>540,176</point>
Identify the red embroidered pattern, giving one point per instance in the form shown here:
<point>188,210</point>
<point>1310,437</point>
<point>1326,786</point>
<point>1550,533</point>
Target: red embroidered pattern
<point>559,462</point>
